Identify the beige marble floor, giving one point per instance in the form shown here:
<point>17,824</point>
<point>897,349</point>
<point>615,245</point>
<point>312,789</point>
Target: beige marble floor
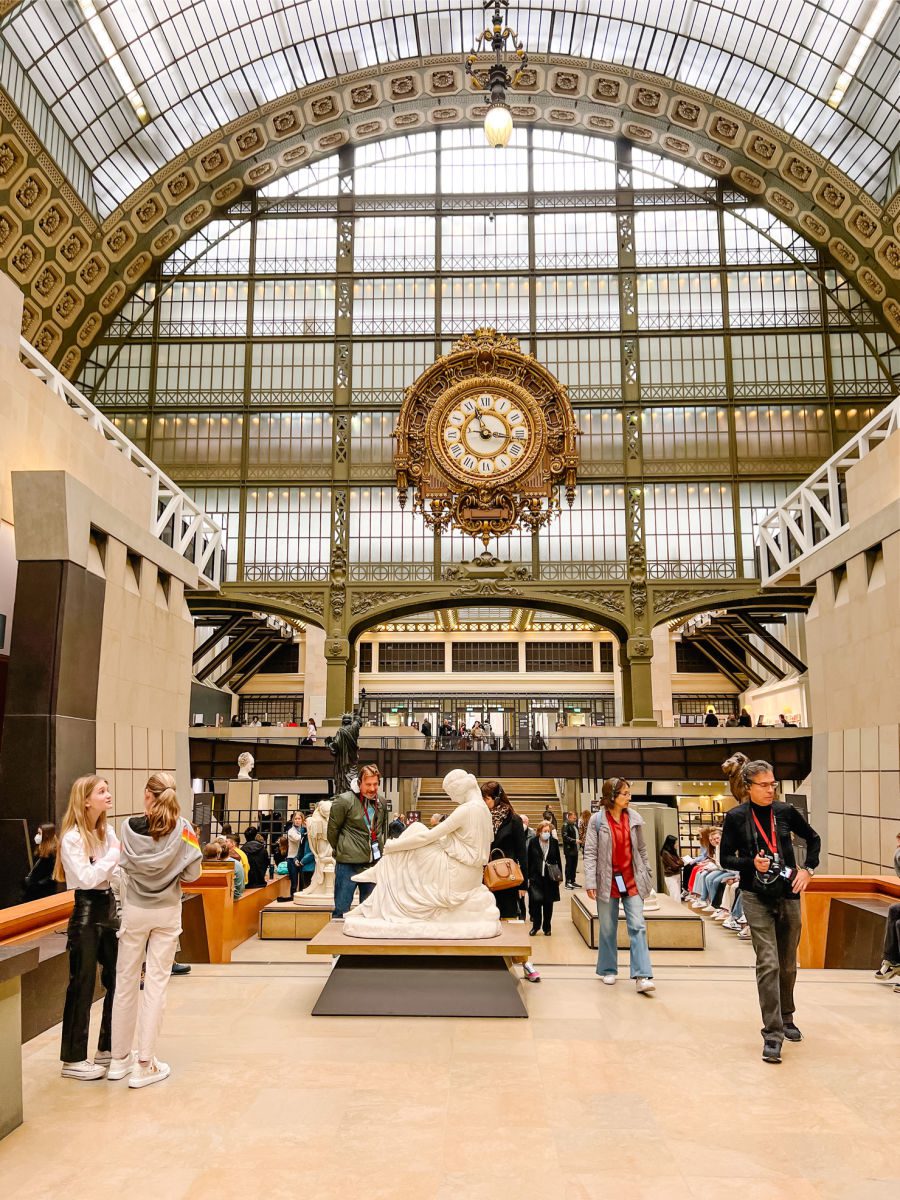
<point>600,1093</point>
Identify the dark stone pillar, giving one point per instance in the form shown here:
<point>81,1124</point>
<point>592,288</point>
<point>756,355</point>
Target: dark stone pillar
<point>49,729</point>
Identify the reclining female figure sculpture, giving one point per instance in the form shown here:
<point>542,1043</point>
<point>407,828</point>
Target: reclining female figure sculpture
<point>429,881</point>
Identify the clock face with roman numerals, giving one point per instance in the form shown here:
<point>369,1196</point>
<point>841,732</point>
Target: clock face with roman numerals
<point>486,436</point>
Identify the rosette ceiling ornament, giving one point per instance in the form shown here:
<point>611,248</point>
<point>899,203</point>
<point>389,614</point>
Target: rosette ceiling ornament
<point>486,437</point>
<point>489,73</point>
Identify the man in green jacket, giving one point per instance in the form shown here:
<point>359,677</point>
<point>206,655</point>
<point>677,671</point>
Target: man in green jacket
<point>357,829</point>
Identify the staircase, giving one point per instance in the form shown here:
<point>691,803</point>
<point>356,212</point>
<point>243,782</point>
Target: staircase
<point>529,798</point>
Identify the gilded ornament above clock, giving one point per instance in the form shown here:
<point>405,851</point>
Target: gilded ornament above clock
<point>485,437</point>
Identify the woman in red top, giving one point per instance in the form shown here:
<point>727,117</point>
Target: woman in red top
<point>617,867</point>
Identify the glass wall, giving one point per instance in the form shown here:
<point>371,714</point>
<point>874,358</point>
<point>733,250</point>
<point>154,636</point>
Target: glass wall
<point>272,351</point>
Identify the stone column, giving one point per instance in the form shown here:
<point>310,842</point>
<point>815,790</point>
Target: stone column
<point>639,651</point>
<point>338,678</point>
<point>314,674</point>
<point>50,729</point>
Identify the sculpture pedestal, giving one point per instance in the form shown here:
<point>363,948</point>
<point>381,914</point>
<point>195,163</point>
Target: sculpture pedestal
<point>670,926</point>
<point>407,978</point>
<point>285,922</point>
<point>243,794</point>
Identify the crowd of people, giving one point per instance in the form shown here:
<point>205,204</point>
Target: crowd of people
<point>126,916</point>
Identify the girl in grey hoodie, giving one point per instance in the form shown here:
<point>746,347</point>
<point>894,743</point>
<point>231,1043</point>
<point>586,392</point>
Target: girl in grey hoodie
<point>159,851</point>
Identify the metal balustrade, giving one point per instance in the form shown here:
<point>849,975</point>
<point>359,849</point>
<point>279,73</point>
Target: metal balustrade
<point>174,518</point>
<point>815,513</point>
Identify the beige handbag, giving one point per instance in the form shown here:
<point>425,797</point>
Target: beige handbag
<point>502,873</point>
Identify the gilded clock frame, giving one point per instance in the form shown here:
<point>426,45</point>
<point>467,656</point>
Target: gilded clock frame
<point>486,506</point>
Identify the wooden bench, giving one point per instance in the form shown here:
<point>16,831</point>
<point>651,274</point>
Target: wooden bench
<point>828,922</point>
<point>228,921</point>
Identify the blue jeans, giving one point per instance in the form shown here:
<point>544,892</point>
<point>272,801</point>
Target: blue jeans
<point>709,881</point>
<point>293,875</point>
<point>608,920</point>
<point>344,887</point>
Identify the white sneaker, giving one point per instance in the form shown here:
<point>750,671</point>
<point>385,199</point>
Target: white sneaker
<point>744,935</point>
<point>82,1070</point>
<point>731,925</point>
<point>120,1067</point>
<point>153,1072</point>
<point>609,980</point>
<point>643,986</point>
<point>721,914</point>
<point>708,908</point>
<point>698,904</point>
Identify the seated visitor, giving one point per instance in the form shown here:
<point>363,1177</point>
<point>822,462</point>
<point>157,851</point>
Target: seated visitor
<point>39,881</point>
<point>232,848</point>
<point>240,875</point>
<point>890,954</point>
<point>672,866</point>
<point>257,857</point>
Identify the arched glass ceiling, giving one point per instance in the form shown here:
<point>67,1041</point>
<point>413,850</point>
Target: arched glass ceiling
<point>197,64</point>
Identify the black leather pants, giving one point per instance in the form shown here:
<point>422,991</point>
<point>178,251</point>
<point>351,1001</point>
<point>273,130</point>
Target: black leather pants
<point>91,940</point>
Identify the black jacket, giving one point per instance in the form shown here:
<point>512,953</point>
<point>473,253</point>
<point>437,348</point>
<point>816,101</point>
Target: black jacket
<point>510,841</point>
<point>570,837</point>
<point>39,881</point>
<point>741,842</point>
<point>258,858</point>
<point>540,884</point>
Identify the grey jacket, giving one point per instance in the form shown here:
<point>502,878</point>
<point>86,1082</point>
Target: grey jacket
<point>598,855</point>
<point>153,869</point>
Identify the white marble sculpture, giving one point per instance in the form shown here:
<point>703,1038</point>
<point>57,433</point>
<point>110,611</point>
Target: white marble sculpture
<point>320,893</point>
<point>428,882</point>
<point>651,902</point>
<point>245,765</point>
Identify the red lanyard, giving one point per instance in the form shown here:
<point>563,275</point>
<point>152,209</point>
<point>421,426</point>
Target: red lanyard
<point>373,835</point>
<point>771,846</point>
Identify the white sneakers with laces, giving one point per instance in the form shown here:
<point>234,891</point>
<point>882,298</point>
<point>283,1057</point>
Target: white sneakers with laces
<point>609,980</point>
<point>120,1067</point>
<point>644,986</point>
<point>83,1070</point>
<point>143,1074</point>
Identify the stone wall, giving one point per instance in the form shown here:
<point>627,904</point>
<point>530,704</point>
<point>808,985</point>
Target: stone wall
<point>80,515</point>
<point>853,640</point>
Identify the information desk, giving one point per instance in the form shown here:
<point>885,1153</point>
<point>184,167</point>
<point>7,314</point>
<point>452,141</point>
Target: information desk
<point>407,978</point>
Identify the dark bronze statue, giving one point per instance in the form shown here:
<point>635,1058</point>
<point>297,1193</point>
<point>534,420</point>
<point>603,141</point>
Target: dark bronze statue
<point>344,746</point>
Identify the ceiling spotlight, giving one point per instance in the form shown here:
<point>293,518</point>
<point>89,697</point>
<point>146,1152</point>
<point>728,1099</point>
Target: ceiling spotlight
<point>491,74</point>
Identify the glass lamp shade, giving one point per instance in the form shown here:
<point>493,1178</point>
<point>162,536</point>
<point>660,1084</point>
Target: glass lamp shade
<point>498,125</point>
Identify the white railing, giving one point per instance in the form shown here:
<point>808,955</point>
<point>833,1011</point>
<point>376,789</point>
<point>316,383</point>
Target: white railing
<point>174,518</point>
<point>815,513</point>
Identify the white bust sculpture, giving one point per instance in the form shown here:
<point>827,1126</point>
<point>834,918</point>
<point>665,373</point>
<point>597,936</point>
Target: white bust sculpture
<point>245,765</point>
<point>320,893</point>
<point>429,881</point>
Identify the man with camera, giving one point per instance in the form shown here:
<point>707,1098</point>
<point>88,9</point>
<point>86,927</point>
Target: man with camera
<point>756,842</point>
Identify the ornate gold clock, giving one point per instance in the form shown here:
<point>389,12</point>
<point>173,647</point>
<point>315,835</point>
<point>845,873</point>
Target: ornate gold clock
<point>485,437</point>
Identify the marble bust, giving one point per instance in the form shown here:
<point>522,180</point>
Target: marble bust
<point>429,881</point>
<point>245,765</point>
<point>320,893</point>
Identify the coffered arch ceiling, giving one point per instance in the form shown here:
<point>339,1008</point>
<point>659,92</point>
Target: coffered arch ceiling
<point>134,83</point>
<point>77,273</point>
